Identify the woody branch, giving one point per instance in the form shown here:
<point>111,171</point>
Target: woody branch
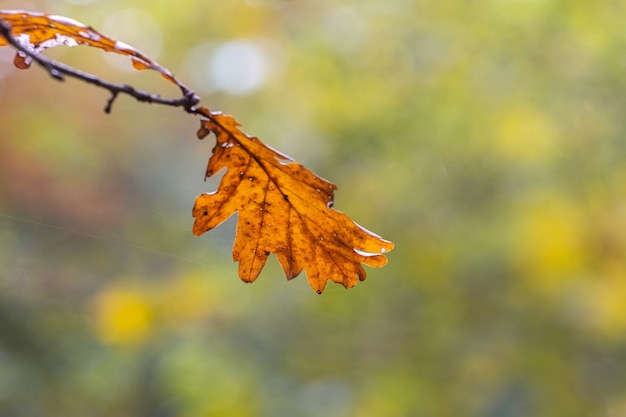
<point>59,71</point>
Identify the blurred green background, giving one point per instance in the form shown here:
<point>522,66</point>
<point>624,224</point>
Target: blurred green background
<point>485,138</point>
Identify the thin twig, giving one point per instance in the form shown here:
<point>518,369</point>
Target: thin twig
<point>58,70</point>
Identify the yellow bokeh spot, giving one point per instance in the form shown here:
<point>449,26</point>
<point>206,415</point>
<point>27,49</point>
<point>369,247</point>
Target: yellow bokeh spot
<point>123,317</point>
<point>524,133</point>
<point>550,243</point>
<point>588,29</point>
<point>604,306</point>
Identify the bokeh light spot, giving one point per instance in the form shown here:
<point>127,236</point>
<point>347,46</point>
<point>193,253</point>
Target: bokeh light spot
<point>122,317</point>
<point>238,67</point>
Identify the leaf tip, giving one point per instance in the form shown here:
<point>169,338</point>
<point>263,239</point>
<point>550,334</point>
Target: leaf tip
<point>387,247</point>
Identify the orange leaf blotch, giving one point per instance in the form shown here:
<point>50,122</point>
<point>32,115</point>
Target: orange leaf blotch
<point>283,209</point>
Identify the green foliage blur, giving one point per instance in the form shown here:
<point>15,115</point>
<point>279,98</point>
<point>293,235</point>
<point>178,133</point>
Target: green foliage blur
<point>485,138</point>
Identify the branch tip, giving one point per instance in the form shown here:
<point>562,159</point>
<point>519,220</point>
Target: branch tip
<point>109,105</point>
<point>55,74</point>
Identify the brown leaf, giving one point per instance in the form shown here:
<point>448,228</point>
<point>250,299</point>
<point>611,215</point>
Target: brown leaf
<point>37,32</point>
<point>283,209</point>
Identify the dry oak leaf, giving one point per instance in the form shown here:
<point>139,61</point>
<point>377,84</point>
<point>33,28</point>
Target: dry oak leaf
<point>39,31</point>
<point>283,209</point>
